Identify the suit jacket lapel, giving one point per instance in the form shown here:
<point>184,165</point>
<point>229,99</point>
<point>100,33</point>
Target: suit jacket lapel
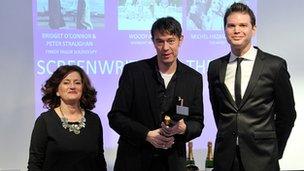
<point>180,86</point>
<point>222,75</point>
<point>149,76</point>
<point>256,72</point>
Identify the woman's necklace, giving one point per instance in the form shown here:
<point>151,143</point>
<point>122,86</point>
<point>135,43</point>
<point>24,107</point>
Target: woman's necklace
<point>75,126</point>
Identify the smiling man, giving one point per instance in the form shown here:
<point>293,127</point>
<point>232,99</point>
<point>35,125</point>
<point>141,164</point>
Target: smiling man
<point>149,90</point>
<point>251,98</point>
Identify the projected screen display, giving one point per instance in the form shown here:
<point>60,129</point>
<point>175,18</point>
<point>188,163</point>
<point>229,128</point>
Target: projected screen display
<point>102,36</point>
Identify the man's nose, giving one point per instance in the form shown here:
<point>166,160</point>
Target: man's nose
<point>237,29</point>
<point>166,46</point>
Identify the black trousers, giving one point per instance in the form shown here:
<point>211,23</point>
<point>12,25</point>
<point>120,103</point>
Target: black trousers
<point>237,162</point>
<point>159,163</point>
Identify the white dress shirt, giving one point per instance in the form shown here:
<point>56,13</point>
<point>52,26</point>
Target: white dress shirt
<point>246,69</point>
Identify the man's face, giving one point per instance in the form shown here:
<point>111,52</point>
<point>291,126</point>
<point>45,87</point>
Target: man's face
<point>167,47</point>
<point>239,31</point>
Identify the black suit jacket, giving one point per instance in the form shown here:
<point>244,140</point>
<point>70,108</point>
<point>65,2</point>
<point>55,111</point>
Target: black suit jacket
<point>136,111</point>
<point>265,117</point>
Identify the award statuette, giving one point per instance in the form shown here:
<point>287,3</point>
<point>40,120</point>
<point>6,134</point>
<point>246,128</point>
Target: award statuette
<point>168,121</point>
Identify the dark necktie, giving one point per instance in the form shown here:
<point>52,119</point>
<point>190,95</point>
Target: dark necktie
<point>237,83</point>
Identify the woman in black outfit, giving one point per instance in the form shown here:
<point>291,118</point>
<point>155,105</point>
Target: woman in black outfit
<point>68,136</point>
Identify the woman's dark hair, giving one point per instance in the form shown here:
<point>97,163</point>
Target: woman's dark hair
<point>49,90</point>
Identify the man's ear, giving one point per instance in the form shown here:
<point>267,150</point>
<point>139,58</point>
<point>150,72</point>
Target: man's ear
<point>181,38</point>
<point>254,28</point>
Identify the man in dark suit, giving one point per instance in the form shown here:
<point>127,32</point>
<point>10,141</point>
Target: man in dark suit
<point>252,100</point>
<point>148,90</point>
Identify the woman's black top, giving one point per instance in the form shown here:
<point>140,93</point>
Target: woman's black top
<point>54,148</point>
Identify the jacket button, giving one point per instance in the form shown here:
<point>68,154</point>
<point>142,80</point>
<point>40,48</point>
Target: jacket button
<point>233,133</point>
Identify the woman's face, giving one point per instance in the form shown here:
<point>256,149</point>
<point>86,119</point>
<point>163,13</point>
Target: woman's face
<point>70,88</point>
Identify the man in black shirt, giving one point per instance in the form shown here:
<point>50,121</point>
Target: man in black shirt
<point>148,90</point>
